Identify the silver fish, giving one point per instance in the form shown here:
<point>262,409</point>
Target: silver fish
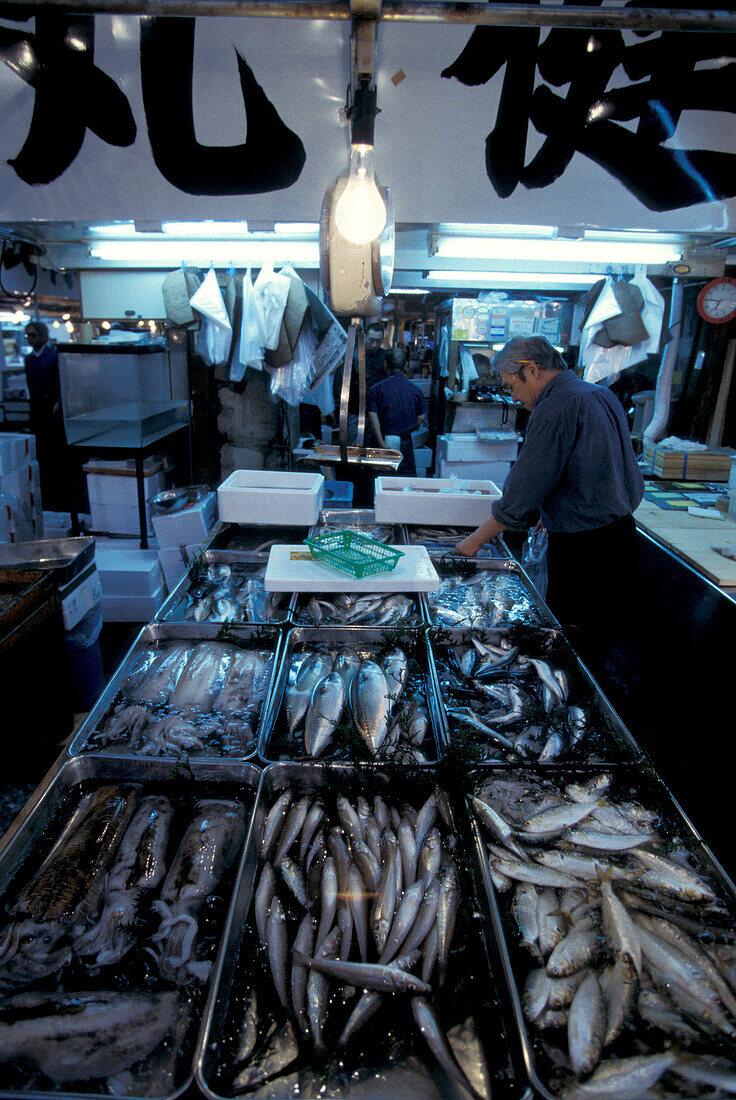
<point>291,828</point>
<point>554,821</point>
<point>280,1052</point>
<point>673,878</point>
<point>328,899</point>
<point>299,693</point>
<point>248,1033</point>
<point>618,985</point>
<point>384,904</point>
<point>430,857</point>
<point>264,895</point>
<point>277,948</point>
<point>535,995</point>
<point>274,820</point>
<point>404,918</point>
<point>374,976</point>
<point>370,1002</point>
<point>447,909</point>
<point>294,880</point>
<point>357,900</point>
<point>396,670</point>
<point>430,1030</point>
<point>586,1026</point>
<point>578,949</point>
<point>317,989</point>
<point>304,942</point>
<point>622,1078</point>
<point>524,907</point>
<point>324,713</point>
<point>370,705</point>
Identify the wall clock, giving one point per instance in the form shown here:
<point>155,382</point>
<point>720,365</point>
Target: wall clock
<point>717,300</point>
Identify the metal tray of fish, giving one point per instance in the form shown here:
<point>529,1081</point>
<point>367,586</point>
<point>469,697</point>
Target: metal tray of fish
<point>252,538</point>
<point>483,593</point>
<point>275,1027</point>
<point>362,520</point>
<point>116,893</point>
<point>376,609</point>
<point>617,931</point>
<point>223,587</point>
<point>345,695</point>
<point>522,694</point>
<point>443,540</point>
<point>159,704</point>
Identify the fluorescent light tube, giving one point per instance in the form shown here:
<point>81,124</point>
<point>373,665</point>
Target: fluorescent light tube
<point>469,230</point>
<point>505,278</point>
<point>206,253</point>
<point>209,230</point>
<point>557,251</point>
<point>296,229</point>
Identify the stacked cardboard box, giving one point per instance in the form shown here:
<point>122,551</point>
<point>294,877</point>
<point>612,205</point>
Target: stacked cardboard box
<point>21,514</point>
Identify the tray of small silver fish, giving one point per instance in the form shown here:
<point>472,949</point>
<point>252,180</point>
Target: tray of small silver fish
<point>186,691</point>
<point>115,895</point>
<point>348,695</point>
<point>355,609</point>
<point>443,540</point>
<point>221,587</point>
<point>483,593</point>
<point>521,694</point>
<point>361,520</point>
<point>355,965</point>
<point>618,933</point>
<point>252,538</point>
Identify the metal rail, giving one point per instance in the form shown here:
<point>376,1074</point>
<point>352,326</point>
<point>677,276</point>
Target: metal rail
<point>478,12</point>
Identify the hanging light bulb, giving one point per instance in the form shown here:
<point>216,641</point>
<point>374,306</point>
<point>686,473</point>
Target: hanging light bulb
<point>360,214</point>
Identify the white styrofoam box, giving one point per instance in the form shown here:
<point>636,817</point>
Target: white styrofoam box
<point>16,449</point>
<point>483,415</point>
<point>435,501</point>
<point>420,437</point>
<point>467,447</point>
<point>173,564</point>
<point>109,488</point>
<point>118,519</point>
<point>80,595</point>
<point>132,609</point>
<point>128,571</point>
<point>57,525</point>
<point>189,525</point>
<point>292,569</point>
<point>271,497</point>
<point>497,472</point>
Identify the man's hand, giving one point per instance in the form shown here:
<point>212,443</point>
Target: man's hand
<point>469,547</point>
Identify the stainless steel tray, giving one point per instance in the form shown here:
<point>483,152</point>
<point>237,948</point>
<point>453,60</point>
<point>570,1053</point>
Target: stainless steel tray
<point>239,781</point>
<point>251,538</point>
<point>439,545</point>
<point>359,519</point>
<point>351,1076</point>
<point>447,565</point>
<point>274,735</point>
<point>646,787</point>
<point>608,742</point>
<point>172,610</point>
<point>65,557</point>
<point>267,637</point>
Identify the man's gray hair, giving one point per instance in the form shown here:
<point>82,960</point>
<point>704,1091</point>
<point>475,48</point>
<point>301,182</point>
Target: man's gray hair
<point>521,350</point>
<point>396,358</point>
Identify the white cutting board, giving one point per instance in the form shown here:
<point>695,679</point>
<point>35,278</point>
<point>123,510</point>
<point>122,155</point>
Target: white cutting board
<point>291,568</point>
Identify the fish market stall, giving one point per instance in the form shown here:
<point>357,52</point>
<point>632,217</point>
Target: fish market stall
<point>116,891</point>
<point>185,691</point>
<point>222,587</point>
<point>484,594</point>
<point>618,933</point>
<point>520,693</point>
<point>349,695</point>
<point>383,993</point>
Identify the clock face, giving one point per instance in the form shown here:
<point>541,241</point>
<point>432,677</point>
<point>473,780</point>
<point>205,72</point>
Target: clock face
<point>717,300</point>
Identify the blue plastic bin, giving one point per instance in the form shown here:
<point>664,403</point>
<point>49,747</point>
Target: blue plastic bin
<point>338,494</point>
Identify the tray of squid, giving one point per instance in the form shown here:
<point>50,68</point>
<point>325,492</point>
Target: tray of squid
<point>344,694</point>
<point>222,587</point>
<point>355,966</point>
<point>115,894</point>
<point>521,694</point>
<point>185,691</point>
<point>617,931</point>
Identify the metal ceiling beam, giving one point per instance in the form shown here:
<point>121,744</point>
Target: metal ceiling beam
<point>477,12</point>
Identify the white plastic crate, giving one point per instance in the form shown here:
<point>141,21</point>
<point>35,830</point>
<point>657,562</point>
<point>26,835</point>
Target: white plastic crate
<point>436,501</point>
<point>468,447</point>
<point>271,497</point>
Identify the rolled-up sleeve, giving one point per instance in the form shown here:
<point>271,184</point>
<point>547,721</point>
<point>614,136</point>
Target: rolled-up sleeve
<point>537,470</point>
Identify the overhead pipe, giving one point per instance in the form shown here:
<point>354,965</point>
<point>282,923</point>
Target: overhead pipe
<point>658,424</point>
<point>477,12</point>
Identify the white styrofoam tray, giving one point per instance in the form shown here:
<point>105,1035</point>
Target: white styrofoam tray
<point>413,572</point>
<point>436,501</point>
<point>271,497</point>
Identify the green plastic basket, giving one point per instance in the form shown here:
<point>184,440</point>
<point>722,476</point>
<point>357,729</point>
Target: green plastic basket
<point>353,553</point>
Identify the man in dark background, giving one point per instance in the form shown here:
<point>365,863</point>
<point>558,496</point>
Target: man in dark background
<point>47,421</point>
<point>396,407</point>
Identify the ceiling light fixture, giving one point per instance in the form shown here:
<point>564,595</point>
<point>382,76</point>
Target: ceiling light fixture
<point>557,251</point>
<point>204,253</point>
<point>511,278</point>
<point>360,213</point>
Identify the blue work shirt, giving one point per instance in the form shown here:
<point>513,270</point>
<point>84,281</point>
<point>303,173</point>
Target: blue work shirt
<point>577,464</point>
<point>398,403</point>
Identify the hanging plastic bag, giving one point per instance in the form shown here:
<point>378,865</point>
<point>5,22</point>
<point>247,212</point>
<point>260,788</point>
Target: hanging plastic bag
<point>534,558</point>
<point>291,383</point>
<point>208,301</point>
<point>250,353</point>
<point>272,292</point>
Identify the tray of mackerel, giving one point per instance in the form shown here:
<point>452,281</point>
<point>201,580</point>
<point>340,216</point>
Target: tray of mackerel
<point>376,609</point>
<point>185,691</point>
<point>522,694</point>
<point>618,933</point>
<point>252,538</point>
<point>443,540</point>
<point>344,694</point>
<point>355,966</point>
<point>115,893</point>
<point>221,587</point>
<point>483,593</point>
<point>360,520</point>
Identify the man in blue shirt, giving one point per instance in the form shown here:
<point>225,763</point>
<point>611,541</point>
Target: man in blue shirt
<point>396,407</point>
<point>47,420</point>
<point>577,469</point>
